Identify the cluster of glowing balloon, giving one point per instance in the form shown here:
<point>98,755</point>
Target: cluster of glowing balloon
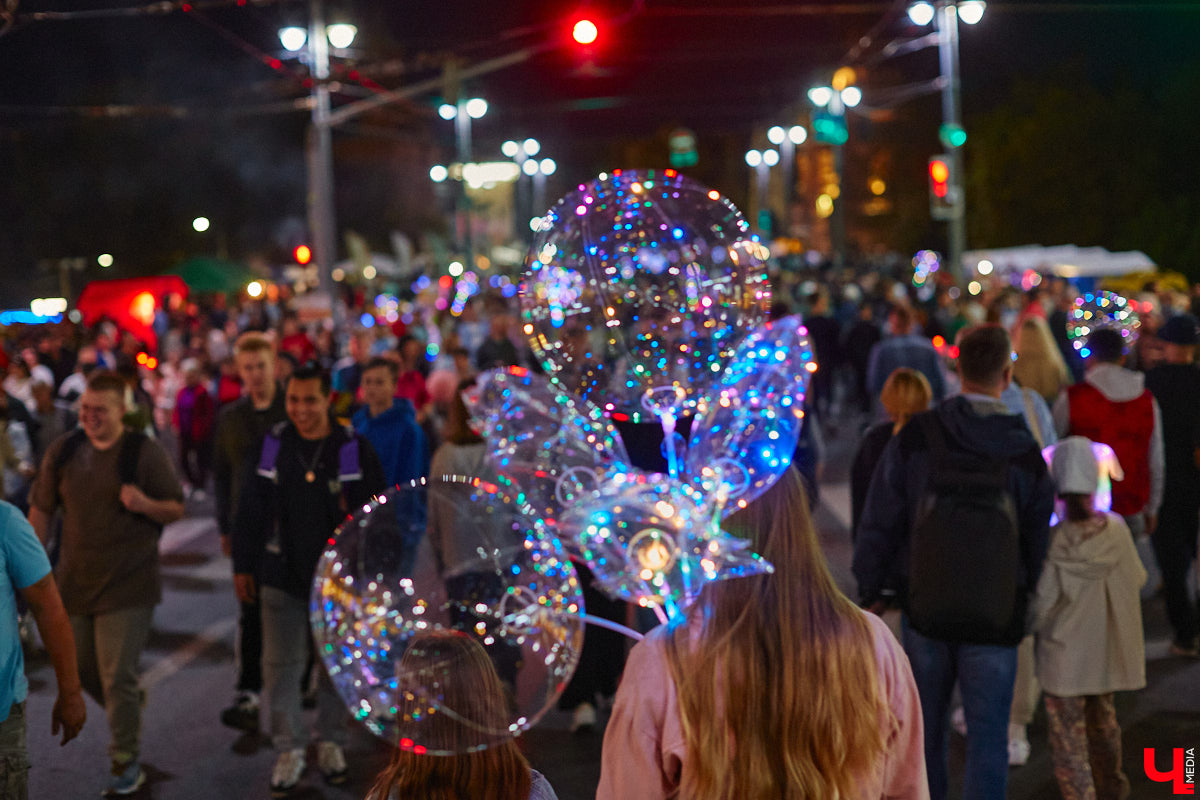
<point>747,428</point>
<point>653,539</point>
<point>448,616</point>
<point>641,284</point>
<point>1096,310</point>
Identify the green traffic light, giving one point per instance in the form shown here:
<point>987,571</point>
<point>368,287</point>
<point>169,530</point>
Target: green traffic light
<point>952,135</point>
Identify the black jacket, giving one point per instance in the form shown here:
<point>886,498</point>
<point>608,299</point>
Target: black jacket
<point>240,429</point>
<point>284,523</point>
<point>901,480</point>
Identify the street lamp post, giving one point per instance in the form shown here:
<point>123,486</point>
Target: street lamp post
<point>835,101</point>
<point>322,214</point>
<point>462,112</point>
<point>945,15</point>
<point>761,162</point>
<point>522,152</point>
<point>786,140</point>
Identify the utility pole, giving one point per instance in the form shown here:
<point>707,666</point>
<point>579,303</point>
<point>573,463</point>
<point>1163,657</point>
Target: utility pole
<point>322,217</point>
<point>947,33</point>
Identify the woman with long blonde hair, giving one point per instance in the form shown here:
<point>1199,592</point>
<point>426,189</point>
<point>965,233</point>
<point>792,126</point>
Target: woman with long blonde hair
<point>774,687</point>
<point>452,707</point>
<point>1040,365</point>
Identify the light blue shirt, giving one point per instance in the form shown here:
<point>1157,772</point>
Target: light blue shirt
<point>25,563</point>
<point>1014,398</point>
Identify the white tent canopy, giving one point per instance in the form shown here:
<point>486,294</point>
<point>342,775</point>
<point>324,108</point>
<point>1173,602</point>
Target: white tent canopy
<point>1065,261</point>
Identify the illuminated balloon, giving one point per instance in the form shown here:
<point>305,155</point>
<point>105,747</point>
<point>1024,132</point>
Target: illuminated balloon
<point>654,541</point>
<point>747,428</point>
<point>448,617</point>
<point>1096,310</point>
<point>641,284</point>
<point>556,448</point>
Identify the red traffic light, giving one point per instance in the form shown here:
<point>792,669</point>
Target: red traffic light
<point>585,31</point>
<point>302,254</point>
<point>939,176</point>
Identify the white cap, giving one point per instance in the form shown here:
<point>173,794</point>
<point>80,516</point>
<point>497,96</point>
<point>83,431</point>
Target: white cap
<point>1075,467</point>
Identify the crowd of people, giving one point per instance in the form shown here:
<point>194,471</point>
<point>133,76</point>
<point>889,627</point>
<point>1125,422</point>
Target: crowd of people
<point>105,437</point>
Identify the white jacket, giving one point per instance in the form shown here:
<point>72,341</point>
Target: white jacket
<point>1086,611</point>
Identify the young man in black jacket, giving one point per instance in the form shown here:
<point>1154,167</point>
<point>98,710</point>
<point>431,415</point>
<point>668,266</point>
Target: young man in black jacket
<point>973,431</point>
<point>240,429</point>
<point>311,474</point>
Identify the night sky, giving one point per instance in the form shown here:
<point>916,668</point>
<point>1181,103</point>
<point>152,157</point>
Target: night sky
<point>724,70</point>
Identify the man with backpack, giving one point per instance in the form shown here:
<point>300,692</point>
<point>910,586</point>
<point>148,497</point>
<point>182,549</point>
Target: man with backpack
<point>311,474</point>
<point>956,525</point>
<point>117,489</point>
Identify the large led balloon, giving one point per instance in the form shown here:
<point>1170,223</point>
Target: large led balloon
<point>1095,310</point>
<point>448,616</point>
<point>639,287</point>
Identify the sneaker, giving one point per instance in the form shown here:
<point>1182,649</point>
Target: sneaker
<point>584,718</point>
<point>127,778</point>
<point>243,714</point>
<point>332,762</point>
<point>286,774</point>
<point>958,721</point>
<point>1018,752</point>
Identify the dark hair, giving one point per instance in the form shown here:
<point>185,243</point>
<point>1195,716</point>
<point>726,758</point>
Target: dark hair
<point>458,420</point>
<point>904,317</point>
<point>1107,345</point>
<point>983,353</point>
<point>1079,506</point>
<point>311,371</point>
<point>380,362</point>
<point>106,380</point>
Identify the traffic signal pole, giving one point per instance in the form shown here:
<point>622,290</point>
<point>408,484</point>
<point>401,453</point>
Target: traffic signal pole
<point>947,24</point>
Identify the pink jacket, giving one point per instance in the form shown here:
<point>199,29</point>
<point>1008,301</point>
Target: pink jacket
<point>644,752</point>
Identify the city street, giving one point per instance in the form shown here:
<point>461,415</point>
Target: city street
<point>188,675</point>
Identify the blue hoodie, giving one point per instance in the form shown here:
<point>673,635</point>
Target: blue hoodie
<point>397,439</point>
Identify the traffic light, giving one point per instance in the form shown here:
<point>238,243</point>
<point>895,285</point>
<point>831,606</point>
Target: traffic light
<point>943,193</point>
<point>584,31</point>
<point>302,254</point>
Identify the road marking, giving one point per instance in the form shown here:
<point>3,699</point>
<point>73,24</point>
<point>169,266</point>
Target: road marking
<point>835,497</point>
<point>178,535</point>
<point>178,659</point>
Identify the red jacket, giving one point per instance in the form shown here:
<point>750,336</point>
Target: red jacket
<point>1126,428</point>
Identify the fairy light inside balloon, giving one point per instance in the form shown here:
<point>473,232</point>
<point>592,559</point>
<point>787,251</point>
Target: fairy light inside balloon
<point>1095,310</point>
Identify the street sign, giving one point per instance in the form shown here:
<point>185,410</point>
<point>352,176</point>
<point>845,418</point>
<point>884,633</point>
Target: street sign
<point>829,128</point>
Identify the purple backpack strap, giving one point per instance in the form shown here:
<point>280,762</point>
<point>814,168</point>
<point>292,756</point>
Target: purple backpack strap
<point>268,457</point>
<point>349,468</point>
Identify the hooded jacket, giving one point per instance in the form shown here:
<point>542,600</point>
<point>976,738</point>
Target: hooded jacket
<point>974,425</point>
<point>1120,385</point>
<point>397,438</point>
<point>1086,612</point>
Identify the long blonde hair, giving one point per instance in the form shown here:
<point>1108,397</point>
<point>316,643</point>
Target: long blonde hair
<point>777,678</point>
<point>468,687</point>
<point>1040,365</point>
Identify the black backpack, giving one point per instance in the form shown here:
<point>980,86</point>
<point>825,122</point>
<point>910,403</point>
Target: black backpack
<point>127,458</point>
<point>965,551</point>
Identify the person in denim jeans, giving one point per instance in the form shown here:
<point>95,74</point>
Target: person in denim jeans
<point>975,424</point>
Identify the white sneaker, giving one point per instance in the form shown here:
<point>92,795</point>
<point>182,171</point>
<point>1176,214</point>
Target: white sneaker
<point>286,774</point>
<point>1018,752</point>
<point>584,717</point>
<point>332,762</point>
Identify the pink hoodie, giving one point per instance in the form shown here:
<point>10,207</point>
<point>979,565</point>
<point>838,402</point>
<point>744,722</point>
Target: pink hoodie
<point>644,751</point>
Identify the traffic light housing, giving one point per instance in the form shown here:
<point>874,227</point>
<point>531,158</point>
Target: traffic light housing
<point>943,191</point>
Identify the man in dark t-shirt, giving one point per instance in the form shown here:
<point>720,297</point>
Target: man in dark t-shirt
<point>108,572</point>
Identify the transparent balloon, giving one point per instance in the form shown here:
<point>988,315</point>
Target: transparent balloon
<point>448,616</point>
<point>641,284</point>
<point>1095,310</point>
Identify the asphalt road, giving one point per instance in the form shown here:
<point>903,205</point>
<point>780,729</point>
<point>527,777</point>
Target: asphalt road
<point>189,677</point>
